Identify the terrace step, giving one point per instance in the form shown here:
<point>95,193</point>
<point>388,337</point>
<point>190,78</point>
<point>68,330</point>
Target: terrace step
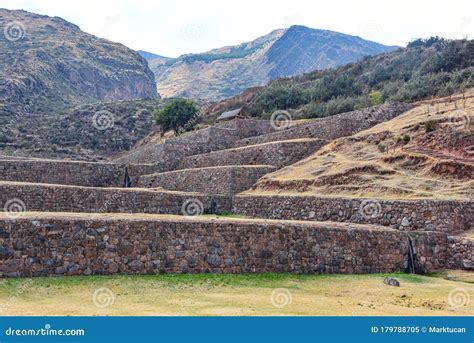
<point>210,180</point>
<point>332,127</point>
<point>40,244</point>
<point>216,137</point>
<point>278,154</point>
<point>406,215</point>
<point>78,173</point>
<point>65,198</point>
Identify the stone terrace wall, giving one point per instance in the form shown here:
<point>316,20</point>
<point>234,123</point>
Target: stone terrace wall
<point>69,173</point>
<point>460,253</point>
<point>247,127</point>
<point>277,154</point>
<point>429,215</point>
<point>216,137</point>
<point>55,198</point>
<point>213,180</point>
<point>71,246</point>
<point>168,154</point>
<point>333,127</point>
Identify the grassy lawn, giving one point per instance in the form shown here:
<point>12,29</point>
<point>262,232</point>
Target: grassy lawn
<point>248,294</point>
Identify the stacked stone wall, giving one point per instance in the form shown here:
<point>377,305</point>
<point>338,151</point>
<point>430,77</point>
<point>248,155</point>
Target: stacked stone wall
<point>460,253</point>
<point>56,198</point>
<point>427,215</point>
<point>276,154</point>
<point>217,137</point>
<point>73,246</point>
<point>213,180</point>
<point>333,127</point>
<point>70,172</point>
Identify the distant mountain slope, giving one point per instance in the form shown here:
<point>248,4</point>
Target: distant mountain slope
<point>47,63</point>
<point>57,84</point>
<point>426,68</point>
<point>302,49</point>
<point>227,71</point>
<point>147,55</point>
<point>151,56</point>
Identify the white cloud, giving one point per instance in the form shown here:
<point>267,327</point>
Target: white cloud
<point>171,28</point>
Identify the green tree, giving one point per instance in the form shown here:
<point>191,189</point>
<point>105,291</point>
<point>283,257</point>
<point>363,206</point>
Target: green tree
<point>179,115</point>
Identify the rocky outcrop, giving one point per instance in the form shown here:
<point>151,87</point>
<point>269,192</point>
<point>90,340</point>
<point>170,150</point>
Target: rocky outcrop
<point>47,62</point>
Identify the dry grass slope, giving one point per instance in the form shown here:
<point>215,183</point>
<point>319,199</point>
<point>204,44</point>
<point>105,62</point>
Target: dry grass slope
<point>427,152</point>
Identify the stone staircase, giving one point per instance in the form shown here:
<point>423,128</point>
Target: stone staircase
<point>75,218</point>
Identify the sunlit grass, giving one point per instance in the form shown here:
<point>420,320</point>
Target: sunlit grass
<point>237,294</point>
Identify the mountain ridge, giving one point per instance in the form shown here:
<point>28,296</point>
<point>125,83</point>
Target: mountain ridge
<point>224,72</point>
<point>58,84</point>
<point>47,63</point>
<point>149,55</point>
<point>427,68</point>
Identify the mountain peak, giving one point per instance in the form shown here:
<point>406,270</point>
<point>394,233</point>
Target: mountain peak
<point>301,27</point>
<point>227,71</point>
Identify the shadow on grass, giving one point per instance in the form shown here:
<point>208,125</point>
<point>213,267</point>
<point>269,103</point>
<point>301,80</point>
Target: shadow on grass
<point>264,280</point>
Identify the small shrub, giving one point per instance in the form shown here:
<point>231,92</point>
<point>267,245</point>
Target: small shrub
<point>375,98</point>
<point>382,147</point>
<point>406,138</point>
<point>431,126</point>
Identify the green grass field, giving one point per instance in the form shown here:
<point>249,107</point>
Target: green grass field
<point>248,295</point>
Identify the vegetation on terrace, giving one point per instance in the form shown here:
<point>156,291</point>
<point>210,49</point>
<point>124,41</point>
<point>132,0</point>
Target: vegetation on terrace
<point>426,68</point>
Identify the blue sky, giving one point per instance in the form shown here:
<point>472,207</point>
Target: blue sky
<point>172,28</point>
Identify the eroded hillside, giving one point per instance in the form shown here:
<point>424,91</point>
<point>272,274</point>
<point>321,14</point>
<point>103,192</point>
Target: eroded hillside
<point>427,152</point>
<point>47,63</point>
<point>89,132</point>
<point>66,93</point>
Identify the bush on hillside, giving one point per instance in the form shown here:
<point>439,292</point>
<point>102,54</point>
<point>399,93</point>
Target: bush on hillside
<point>427,68</point>
<point>375,98</point>
<point>425,42</point>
